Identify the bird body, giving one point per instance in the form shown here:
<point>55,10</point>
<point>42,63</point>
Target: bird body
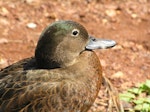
<point>63,76</point>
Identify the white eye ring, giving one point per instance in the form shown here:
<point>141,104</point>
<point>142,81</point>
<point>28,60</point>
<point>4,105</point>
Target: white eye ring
<point>75,32</point>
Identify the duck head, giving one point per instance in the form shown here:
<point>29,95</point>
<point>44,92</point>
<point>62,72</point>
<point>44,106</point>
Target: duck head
<point>62,41</point>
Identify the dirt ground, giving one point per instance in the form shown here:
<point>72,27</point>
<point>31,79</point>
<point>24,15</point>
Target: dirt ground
<point>125,21</point>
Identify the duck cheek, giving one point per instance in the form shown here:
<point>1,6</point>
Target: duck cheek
<point>76,46</point>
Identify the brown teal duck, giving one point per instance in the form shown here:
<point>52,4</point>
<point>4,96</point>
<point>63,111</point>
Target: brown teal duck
<point>64,75</point>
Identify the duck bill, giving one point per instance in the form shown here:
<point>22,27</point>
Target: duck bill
<point>97,43</point>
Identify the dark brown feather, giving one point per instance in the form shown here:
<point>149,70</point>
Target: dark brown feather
<point>59,90</point>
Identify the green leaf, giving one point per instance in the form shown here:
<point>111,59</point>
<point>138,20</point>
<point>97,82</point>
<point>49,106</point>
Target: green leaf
<point>142,107</point>
<point>138,101</point>
<point>148,83</point>
<point>127,96</point>
<point>127,99</point>
<point>140,96</point>
<point>142,100</point>
<point>138,107</point>
<point>146,107</point>
<point>147,100</point>
<point>145,88</point>
<point>136,91</point>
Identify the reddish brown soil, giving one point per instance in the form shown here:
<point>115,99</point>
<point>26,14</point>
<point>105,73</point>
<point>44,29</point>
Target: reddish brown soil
<point>126,22</point>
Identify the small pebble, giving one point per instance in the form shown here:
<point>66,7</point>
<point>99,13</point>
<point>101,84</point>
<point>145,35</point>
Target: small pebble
<point>31,25</point>
<point>3,41</point>
<point>134,16</point>
<point>3,63</point>
<point>111,13</point>
<point>119,74</point>
<point>4,11</point>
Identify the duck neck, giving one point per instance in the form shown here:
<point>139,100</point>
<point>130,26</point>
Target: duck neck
<point>52,60</point>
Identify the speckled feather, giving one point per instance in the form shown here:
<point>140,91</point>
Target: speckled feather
<point>50,91</point>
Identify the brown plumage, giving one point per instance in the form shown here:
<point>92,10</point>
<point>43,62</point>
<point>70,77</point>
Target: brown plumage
<point>64,76</point>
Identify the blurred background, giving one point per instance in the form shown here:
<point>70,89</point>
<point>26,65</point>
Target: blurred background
<point>125,21</point>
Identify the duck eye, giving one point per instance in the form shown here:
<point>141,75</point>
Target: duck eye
<point>75,32</point>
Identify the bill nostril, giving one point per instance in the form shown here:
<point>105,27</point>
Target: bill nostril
<point>94,39</point>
